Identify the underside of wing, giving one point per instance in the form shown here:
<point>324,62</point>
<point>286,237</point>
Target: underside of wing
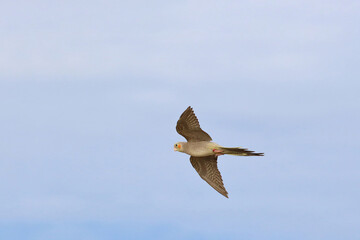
<point>188,126</point>
<point>208,170</point>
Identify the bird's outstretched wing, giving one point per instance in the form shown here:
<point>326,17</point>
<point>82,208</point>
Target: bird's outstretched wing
<point>207,169</point>
<point>188,126</point>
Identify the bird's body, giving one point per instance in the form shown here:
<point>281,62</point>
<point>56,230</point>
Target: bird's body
<point>199,149</point>
<point>203,151</point>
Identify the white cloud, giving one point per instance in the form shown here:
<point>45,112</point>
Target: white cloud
<point>193,41</point>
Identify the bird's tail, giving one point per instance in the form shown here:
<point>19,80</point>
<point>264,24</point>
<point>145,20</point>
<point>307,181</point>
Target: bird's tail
<point>239,152</point>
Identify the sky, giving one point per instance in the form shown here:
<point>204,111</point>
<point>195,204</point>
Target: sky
<point>90,93</point>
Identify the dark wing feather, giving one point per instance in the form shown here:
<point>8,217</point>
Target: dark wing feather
<point>207,169</point>
<point>188,126</point>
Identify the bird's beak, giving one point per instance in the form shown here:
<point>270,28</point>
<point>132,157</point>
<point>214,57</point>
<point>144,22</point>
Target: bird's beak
<point>175,149</point>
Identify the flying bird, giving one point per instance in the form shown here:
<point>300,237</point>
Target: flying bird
<point>203,152</point>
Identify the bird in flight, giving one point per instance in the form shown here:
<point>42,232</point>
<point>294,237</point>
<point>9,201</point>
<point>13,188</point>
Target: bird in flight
<point>203,152</point>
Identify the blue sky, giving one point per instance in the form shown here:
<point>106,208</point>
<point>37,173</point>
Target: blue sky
<point>90,92</point>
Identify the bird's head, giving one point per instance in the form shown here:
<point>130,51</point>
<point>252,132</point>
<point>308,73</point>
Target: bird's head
<point>178,147</point>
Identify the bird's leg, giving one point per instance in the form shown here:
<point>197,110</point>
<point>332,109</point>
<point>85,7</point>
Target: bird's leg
<point>217,152</point>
